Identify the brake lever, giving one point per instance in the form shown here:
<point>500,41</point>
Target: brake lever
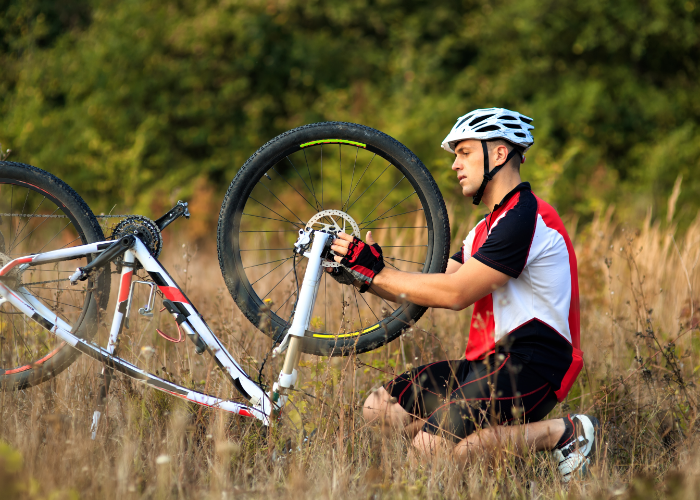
<point>174,213</point>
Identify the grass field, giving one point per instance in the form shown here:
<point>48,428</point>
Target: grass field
<point>640,317</point>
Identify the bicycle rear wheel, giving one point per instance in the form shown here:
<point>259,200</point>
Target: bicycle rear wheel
<point>340,174</point>
<point>40,213</point>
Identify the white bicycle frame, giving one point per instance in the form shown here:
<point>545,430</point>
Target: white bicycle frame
<point>263,406</point>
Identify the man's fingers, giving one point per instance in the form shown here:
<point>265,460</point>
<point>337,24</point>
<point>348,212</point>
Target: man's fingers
<point>339,249</point>
<point>368,237</point>
<point>344,236</point>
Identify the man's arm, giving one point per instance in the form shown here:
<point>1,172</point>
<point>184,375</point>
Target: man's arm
<point>452,267</point>
<point>472,281</point>
<point>465,284</point>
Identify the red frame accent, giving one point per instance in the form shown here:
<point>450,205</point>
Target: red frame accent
<point>10,265</point>
<point>124,286</point>
<point>173,294</point>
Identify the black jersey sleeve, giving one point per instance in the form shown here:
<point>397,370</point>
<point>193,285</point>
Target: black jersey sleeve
<point>459,256</point>
<point>507,247</point>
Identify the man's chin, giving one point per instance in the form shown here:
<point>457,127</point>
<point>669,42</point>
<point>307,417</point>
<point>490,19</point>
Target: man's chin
<point>468,193</point>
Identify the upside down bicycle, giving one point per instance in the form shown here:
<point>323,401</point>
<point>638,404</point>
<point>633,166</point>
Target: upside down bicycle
<point>275,226</point>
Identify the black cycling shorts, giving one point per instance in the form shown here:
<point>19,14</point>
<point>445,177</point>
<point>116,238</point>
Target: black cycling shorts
<point>458,397</point>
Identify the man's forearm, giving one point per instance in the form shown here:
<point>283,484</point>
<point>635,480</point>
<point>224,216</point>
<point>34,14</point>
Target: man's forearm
<point>429,290</point>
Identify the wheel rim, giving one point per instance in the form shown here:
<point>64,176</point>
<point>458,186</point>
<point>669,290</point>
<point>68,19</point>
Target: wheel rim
<point>33,221</point>
<point>332,174</point>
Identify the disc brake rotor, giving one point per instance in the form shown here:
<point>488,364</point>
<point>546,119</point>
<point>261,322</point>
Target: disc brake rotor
<point>333,221</point>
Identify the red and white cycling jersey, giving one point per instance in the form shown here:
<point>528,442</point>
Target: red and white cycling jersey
<point>535,315</point>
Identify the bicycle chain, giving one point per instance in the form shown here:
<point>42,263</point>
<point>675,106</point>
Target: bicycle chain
<point>64,216</point>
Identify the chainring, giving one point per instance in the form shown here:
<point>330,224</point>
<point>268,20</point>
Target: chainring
<point>142,227</point>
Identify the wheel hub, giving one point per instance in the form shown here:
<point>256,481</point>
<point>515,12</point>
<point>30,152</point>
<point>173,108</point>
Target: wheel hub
<point>333,221</point>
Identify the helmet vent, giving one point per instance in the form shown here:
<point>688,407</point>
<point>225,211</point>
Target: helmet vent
<point>512,125</point>
<point>488,128</point>
<point>460,123</point>
<point>479,119</point>
<point>520,134</point>
<point>526,120</point>
<point>508,118</point>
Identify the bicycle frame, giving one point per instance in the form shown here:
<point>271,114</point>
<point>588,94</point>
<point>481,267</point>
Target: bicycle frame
<point>263,406</point>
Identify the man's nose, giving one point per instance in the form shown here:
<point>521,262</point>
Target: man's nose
<point>455,166</point>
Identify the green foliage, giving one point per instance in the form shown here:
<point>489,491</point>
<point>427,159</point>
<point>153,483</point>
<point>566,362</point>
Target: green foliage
<point>130,100</point>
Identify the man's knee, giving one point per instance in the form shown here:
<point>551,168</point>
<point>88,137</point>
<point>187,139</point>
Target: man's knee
<point>423,442</point>
<point>376,404</point>
<point>381,406</point>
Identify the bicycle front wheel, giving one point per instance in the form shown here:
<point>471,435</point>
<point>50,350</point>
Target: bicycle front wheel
<point>340,175</point>
<point>40,213</point>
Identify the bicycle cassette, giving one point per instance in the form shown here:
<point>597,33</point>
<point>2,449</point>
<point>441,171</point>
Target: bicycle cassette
<point>142,227</point>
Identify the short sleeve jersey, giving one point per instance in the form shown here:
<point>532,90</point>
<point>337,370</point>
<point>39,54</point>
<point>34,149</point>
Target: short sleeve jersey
<point>535,315</point>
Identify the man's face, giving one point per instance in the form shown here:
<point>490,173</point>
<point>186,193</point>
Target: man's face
<point>469,166</point>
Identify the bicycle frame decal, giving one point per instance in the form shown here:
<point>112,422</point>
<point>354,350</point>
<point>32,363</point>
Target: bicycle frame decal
<point>189,319</point>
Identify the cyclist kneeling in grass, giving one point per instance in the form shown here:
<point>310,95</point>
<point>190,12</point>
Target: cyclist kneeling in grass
<point>518,268</point>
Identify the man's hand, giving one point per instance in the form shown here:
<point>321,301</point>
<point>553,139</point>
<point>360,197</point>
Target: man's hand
<point>362,260</point>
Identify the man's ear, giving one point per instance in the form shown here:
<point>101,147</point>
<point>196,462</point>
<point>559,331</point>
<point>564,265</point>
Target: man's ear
<point>500,154</point>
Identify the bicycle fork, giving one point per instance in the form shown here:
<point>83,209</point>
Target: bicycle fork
<point>302,315</point>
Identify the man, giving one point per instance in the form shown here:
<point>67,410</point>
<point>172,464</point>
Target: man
<point>518,268</point>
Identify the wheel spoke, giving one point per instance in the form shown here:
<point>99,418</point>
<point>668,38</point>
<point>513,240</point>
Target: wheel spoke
<point>395,215</point>
<point>358,183</point>
<point>262,249</point>
<point>363,192</point>
<point>261,277</point>
<point>19,221</point>
<point>37,227</point>
<point>396,227</point>
<point>270,262</point>
<point>313,193</point>
<point>357,151</point>
<point>295,189</point>
<point>269,218</point>
<point>280,281</point>
<point>272,231</point>
<point>390,191</point>
<point>370,308</point>
<point>359,314</point>
<point>278,215</point>
<point>410,261</point>
<point>22,339</point>
<point>283,303</point>
<point>285,206</point>
<point>311,180</point>
<point>382,215</point>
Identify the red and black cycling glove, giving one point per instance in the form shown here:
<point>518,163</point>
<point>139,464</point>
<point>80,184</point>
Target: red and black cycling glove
<point>363,262</point>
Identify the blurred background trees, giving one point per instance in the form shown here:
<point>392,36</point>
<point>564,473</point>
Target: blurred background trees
<point>137,102</point>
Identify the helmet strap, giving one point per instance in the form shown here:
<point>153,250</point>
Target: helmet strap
<point>489,175</point>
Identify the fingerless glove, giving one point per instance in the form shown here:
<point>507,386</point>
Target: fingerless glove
<point>363,262</point>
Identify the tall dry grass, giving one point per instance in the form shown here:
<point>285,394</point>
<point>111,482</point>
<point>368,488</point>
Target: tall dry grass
<point>640,316</point>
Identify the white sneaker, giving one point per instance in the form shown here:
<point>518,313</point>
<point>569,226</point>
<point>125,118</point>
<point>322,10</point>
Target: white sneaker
<point>576,454</point>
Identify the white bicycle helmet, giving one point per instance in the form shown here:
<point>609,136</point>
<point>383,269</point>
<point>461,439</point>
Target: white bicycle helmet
<point>487,125</point>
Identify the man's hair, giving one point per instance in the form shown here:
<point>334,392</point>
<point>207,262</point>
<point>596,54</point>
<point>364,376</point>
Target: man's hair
<point>510,146</point>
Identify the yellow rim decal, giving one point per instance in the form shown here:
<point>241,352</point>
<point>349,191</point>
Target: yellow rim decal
<point>342,335</point>
<point>334,141</point>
